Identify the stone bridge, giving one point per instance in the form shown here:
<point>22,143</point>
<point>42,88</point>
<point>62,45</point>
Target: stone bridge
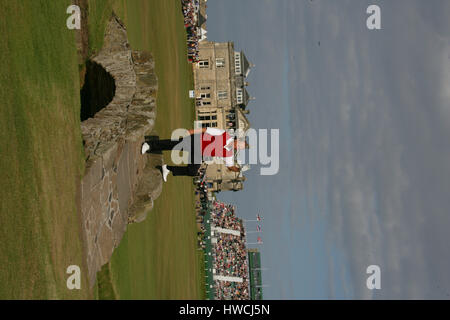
<point>119,184</point>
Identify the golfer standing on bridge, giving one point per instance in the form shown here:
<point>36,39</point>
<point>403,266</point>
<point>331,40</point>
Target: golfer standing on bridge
<point>204,143</point>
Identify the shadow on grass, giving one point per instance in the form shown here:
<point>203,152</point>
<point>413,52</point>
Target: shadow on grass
<point>105,288</point>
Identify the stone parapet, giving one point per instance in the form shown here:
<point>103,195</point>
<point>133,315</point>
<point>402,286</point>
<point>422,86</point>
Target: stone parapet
<point>120,184</point>
<point>132,111</point>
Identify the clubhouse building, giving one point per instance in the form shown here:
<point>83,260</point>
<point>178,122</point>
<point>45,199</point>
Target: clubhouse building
<point>221,100</point>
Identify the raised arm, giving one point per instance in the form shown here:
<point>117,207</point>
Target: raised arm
<point>197,131</point>
<point>234,169</point>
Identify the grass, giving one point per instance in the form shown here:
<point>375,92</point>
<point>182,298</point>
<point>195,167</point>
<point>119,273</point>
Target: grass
<point>41,152</point>
<point>105,289</point>
<point>157,258</point>
<point>42,157</point>
<point>99,13</point>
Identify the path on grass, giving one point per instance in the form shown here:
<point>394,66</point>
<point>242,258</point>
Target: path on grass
<point>106,192</point>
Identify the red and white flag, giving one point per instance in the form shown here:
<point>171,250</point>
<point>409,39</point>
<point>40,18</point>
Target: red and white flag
<point>259,240</point>
<point>258,217</point>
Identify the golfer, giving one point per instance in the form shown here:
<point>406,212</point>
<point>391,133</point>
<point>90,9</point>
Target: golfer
<point>204,143</point>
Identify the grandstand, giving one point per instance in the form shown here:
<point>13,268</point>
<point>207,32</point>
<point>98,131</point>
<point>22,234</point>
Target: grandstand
<point>232,271</point>
<point>226,264</point>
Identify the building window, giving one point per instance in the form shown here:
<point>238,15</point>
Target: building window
<point>203,64</point>
<point>204,118</point>
<point>207,112</point>
<point>204,88</point>
<point>237,63</point>
<point>221,95</point>
<point>239,95</point>
<point>209,124</point>
<point>220,62</point>
<point>200,103</point>
<point>205,95</point>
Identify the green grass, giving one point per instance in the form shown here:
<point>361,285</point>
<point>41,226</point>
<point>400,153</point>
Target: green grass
<point>42,156</point>
<point>98,15</point>
<point>105,289</point>
<point>157,258</point>
<point>41,151</point>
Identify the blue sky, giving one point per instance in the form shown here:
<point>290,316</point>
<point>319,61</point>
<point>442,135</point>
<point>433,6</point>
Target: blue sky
<point>364,123</point>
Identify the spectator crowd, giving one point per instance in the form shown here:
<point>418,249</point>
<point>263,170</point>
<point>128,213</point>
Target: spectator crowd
<point>190,10</point>
<point>229,253</point>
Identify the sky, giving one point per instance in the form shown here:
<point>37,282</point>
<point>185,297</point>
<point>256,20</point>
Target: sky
<point>364,122</point>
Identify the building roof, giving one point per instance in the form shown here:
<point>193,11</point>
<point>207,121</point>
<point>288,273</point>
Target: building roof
<point>201,20</point>
<point>242,122</point>
<point>246,97</point>
<point>245,65</point>
<point>240,81</point>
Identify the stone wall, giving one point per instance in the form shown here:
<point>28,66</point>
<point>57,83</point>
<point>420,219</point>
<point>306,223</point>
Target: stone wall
<point>132,112</point>
<point>120,184</point>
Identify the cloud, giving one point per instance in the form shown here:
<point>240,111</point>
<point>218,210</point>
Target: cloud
<point>377,119</point>
<point>386,197</point>
<point>370,124</point>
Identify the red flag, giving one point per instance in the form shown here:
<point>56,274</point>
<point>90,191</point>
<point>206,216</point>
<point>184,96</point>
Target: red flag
<point>258,217</point>
<point>259,240</point>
